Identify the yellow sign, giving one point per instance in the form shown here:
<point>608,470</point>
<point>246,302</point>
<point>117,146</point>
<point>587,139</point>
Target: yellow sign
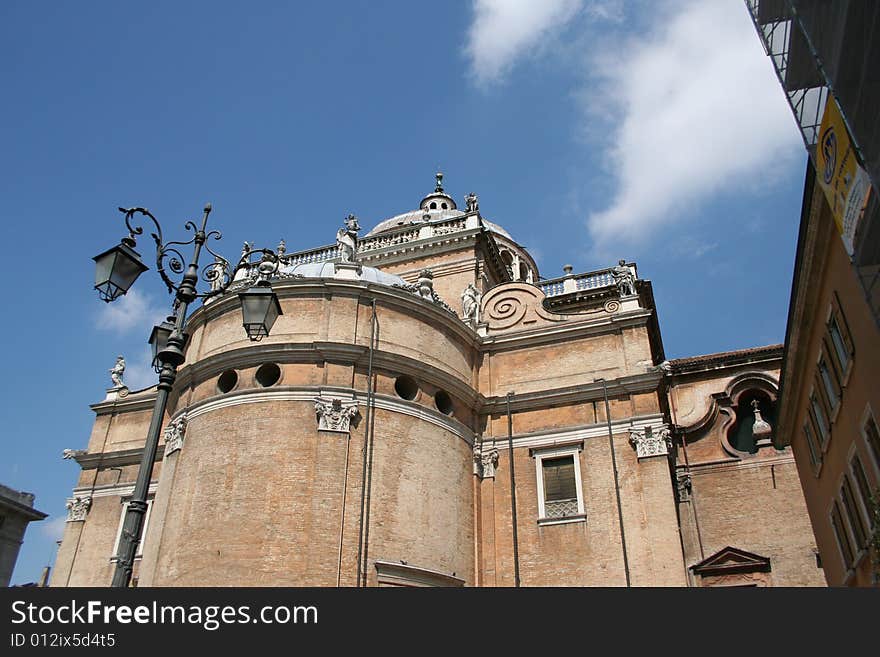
<point>846,184</point>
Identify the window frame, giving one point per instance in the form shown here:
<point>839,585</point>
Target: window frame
<point>841,535</point>
<point>832,391</point>
<point>835,314</point>
<point>852,514</point>
<point>542,454</point>
<point>823,432</point>
<point>872,449</point>
<point>139,553</point>
<point>813,447</point>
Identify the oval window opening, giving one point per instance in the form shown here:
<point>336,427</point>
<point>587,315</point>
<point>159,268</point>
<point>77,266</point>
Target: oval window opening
<point>406,387</point>
<point>227,381</point>
<point>443,402</point>
<point>268,375</point>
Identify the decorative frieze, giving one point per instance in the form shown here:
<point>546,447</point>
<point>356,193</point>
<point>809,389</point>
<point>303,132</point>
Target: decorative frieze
<point>485,460</point>
<point>649,443</point>
<point>78,508</point>
<point>334,415</point>
<point>174,434</point>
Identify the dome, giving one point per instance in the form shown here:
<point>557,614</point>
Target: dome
<point>436,207</point>
<point>328,270</point>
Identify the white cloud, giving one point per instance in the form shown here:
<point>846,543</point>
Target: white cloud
<point>139,372</point>
<point>53,528</point>
<point>504,30</point>
<point>134,311</point>
<point>691,107</point>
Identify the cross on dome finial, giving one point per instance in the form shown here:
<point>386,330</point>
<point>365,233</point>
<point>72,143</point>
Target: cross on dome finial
<point>439,177</point>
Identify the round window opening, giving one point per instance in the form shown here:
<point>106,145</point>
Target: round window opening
<point>406,387</point>
<point>443,402</point>
<point>268,375</point>
<point>227,381</point>
<point>444,206</point>
<point>434,205</point>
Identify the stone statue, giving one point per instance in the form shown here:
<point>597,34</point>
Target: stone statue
<point>760,428</point>
<point>624,279</point>
<point>470,304</point>
<point>472,203</point>
<point>72,453</point>
<point>117,372</point>
<point>218,274</point>
<point>425,285</point>
<point>282,248</point>
<point>346,239</point>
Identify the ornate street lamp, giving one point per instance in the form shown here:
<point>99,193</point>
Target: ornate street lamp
<point>116,271</point>
<point>259,310</point>
<point>159,340</point>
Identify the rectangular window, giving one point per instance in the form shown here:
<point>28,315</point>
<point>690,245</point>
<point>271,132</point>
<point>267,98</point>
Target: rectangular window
<point>841,536</point>
<point>862,486</point>
<point>815,456</point>
<point>840,350</point>
<point>819,418</point>
<point>872,437</point>
<point>831,390</point>
<point>140,548</point>
<point>560,496</point>
<point>853,514</point>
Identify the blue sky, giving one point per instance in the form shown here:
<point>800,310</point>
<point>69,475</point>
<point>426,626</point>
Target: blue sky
<point>592,131</point>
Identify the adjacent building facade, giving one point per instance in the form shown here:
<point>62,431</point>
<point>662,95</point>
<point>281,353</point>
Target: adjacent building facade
<point>432,412</point>
<point>16,512</point>
<point>825,56</point>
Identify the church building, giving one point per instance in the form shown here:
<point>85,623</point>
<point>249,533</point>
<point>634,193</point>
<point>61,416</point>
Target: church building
<point>428,410</point>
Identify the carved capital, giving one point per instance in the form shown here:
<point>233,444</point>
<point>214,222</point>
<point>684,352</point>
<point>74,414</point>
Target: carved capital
<point>649,442</point>
<point>683,486</point>
<point>78,508</point>
<point>174,434</point>
<point>485,461</point>
<point>334,414</point>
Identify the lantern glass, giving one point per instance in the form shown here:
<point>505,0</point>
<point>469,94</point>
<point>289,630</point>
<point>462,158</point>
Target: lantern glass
<point>259,310</point>
<point>159,340</point>
<point>116,271</point>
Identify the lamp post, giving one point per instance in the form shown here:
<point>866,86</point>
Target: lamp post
<point>116,271</point>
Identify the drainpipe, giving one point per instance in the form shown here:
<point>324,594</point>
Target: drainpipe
<point>368,434</point>
<point>516,580</point>
<point>616,481</point>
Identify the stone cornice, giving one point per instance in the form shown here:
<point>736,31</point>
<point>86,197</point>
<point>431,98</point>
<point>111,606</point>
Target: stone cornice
<point>564,331</point>
<point>90,461</point>
<point>334,352</point>
<point>539,440</point>
<point>811,257</point>
<point>421,248</point>
<point>143,400</point>
<point>308,394</point>
<point>114,490</point>
<point>15,507</point>
<point>577,394</point>
<point>734,463</point>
